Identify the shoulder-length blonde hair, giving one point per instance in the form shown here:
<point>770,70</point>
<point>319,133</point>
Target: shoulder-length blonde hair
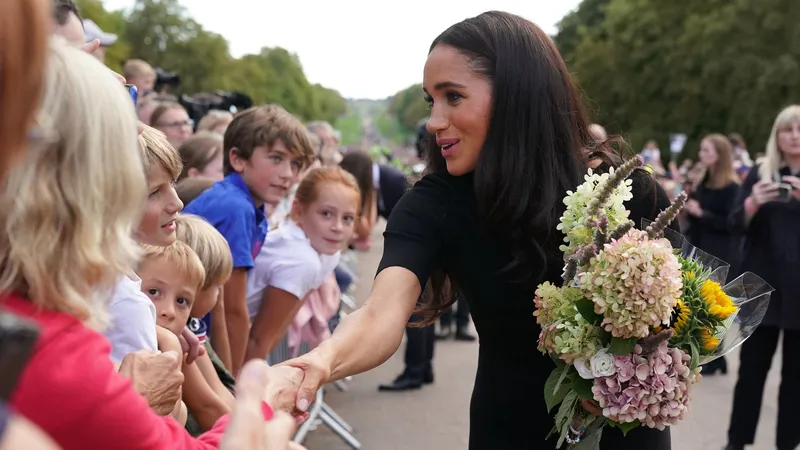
<point>70,206</point>
<point>23,47</point>
<point>773,160</point>
<point>723,173</point>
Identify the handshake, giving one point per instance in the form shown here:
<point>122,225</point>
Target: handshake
<point>158,378</point>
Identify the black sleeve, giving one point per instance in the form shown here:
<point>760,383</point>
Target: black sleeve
<point>649,199</point>
<point>725,199</point>
<point>414,236</point>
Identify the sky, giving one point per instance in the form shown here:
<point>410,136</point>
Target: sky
<point>362,49</point>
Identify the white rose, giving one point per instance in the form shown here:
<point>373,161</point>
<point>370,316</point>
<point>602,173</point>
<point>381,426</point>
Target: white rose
<point>584,369</point>
<point>602,364</point>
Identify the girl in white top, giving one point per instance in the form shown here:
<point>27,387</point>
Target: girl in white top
<point>297,256</point>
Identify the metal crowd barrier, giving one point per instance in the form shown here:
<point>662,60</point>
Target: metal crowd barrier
<point>320,413</point>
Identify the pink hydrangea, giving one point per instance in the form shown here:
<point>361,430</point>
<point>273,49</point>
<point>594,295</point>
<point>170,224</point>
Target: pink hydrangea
<point>652,388</point>
<point>634,283</point>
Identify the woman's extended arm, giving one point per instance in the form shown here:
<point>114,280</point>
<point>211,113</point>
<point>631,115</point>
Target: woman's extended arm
<point>364,339</point>
<point>414,241</point>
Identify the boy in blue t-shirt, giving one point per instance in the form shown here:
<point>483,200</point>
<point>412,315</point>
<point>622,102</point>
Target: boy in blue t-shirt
<point>266,149</point>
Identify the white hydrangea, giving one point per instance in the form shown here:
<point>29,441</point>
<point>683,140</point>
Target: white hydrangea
<point>573,222</point>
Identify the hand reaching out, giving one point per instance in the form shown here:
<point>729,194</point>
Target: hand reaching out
<point>246,429</point>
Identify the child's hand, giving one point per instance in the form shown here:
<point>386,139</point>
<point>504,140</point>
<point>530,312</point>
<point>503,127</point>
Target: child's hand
<point>190,345</point>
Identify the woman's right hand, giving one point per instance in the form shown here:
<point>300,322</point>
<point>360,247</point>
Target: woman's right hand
<point>316,372</point>
<point>763,192</point>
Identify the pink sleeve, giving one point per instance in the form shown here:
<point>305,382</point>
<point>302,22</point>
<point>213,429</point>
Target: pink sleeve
<point>71,390</point>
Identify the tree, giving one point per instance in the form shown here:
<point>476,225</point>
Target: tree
<point>649,67</point>
<point>162,33</point>
<point>110,22</point>
<point>409,107</point>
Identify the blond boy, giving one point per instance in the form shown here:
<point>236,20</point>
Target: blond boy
<point>140,74</point>
<point>171,278</point>
<point>205,394</point>
<point>133,316</point>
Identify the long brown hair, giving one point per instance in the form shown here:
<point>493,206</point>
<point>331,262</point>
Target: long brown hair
<point>537,147</point>
<point>24,26</point>
<point>359,164</point>
<point>723,172</point>
<point>199,150</point>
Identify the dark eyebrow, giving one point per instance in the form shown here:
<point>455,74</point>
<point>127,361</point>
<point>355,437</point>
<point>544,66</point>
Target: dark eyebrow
<point>445,85</point>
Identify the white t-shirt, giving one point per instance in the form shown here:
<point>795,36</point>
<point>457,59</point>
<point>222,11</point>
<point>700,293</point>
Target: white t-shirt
<point>288,262</point>
<point>133,319</point>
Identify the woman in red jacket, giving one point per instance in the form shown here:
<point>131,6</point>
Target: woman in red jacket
<point>68,213</point>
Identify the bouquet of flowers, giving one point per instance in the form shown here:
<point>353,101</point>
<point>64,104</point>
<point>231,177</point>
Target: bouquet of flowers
<point>637,314</point>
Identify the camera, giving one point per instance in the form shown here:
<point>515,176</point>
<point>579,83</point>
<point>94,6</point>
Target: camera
<point>199,105</point>
<point>166,79</point>
<point>784,192</point>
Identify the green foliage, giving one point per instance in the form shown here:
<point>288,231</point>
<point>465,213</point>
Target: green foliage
<point>110,22</point>
<point>650,68</point>
<point>390,128</point>
<point>162,33</point>
<point>349,126</point>
<point>555,388</point>
<point>620,346</point>
<point>407,108</point>
<point>586,309</point>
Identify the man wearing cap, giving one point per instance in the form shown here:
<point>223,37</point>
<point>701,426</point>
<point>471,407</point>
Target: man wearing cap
<point>94,32</point>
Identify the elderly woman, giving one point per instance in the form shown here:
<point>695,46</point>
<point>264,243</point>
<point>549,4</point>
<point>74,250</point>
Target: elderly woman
<point>67,222</point>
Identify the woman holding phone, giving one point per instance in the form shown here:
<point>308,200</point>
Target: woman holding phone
<point>767,212</point>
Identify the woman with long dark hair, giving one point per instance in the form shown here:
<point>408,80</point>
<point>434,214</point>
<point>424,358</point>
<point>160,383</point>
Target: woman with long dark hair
<point>511,138</point>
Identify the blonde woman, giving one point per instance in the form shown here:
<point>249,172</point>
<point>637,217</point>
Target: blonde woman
<point>67,236</point>
<point>768,213</point>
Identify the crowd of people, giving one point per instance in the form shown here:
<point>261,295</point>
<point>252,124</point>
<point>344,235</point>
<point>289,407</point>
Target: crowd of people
<point>160,276</point>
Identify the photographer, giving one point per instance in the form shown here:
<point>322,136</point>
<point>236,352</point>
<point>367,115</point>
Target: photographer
<point>767,212</point>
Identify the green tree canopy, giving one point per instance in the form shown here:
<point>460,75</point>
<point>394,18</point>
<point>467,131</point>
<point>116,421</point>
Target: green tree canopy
<point>409,107</point>
<point>162,33</point>
<point>649,68</point>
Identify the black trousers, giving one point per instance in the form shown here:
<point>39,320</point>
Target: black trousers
<point>419,350</point>
<point>461,315</point>
<point>756,359</point>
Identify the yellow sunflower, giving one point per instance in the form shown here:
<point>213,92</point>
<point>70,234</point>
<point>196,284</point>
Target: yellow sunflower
<point>680,316</point>
<point>709,341</point>
<point>719,303</point>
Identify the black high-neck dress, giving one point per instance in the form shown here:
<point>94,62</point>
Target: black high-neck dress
<point>435,224</point>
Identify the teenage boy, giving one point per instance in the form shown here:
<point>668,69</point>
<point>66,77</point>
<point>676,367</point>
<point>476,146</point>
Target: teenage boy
<point>265,149</point>
<point>133,316</point>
